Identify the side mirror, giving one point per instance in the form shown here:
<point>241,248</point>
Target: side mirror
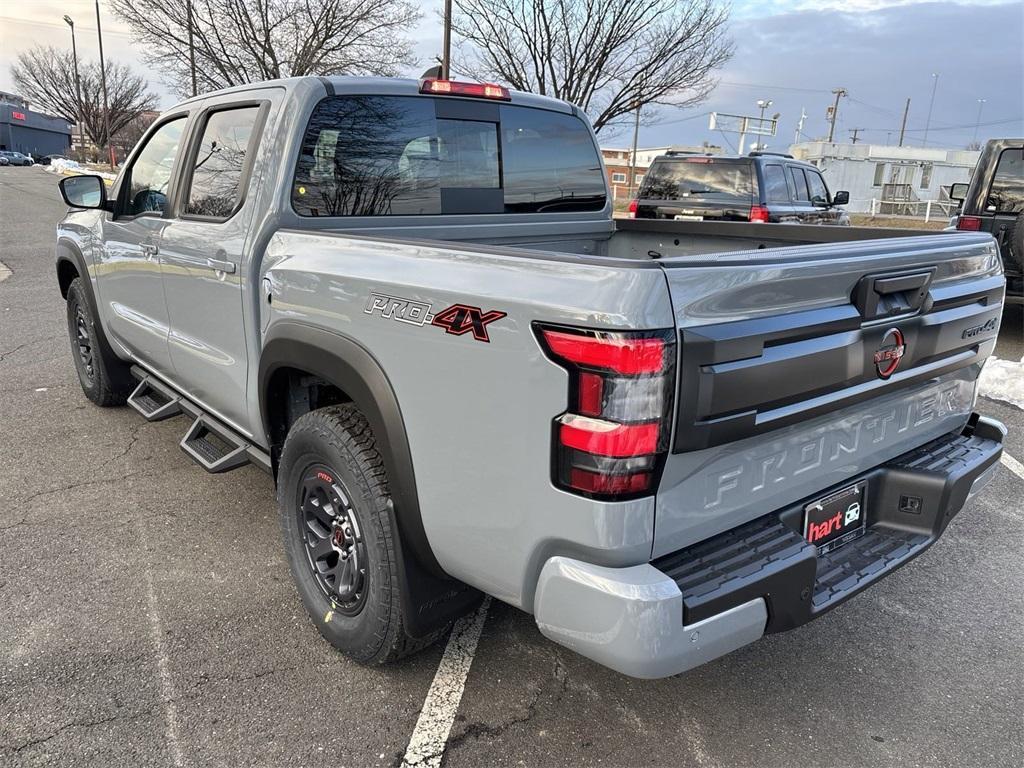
<point>958,191</point>
<point>84,191</point>
<point>841,198</point>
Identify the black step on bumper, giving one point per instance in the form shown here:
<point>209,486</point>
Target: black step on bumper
<point>909,504</point>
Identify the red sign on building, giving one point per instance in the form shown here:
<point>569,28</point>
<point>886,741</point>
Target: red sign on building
<point>18,115</point>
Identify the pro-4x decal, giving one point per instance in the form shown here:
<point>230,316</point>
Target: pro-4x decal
<point>457,319</point>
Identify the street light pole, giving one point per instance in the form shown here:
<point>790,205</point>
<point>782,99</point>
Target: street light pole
<point>931,103</point>
<point>977,123</point>
<point>103,79</point>
<point>446,55</point>
<point>78,88</point>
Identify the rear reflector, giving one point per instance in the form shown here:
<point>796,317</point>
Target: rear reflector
<point>968,224</point>
<point>592,482</point>
<point>621,355</point>
<point>759,214</point>
<point>453,88</point>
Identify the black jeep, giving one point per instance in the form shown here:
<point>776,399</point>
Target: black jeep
<point>759,187</point>
<point>994,202</point>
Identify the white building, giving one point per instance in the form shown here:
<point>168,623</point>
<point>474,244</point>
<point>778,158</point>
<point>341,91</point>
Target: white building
<point>890,180</point>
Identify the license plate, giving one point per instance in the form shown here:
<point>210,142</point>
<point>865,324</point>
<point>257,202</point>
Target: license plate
<point>682,217</point>
<point>836,519</point>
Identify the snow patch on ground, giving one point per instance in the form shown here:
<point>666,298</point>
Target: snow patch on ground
<point>1003,380</point>
<point>64,167</point>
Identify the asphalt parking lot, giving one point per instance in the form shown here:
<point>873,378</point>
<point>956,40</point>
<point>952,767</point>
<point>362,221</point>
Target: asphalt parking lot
<point>147,616</point>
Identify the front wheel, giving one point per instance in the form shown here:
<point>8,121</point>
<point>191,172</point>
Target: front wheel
<point>104,378</point>
<point>339,535</point>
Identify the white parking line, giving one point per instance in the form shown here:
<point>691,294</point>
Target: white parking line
<point>429,738</point>
<point>1013,465</point>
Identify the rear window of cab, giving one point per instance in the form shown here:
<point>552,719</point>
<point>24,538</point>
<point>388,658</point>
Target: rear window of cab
<point>400,156</point>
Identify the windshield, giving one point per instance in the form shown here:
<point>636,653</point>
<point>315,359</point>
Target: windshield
<point>696,178</point>
<point>408,155</point>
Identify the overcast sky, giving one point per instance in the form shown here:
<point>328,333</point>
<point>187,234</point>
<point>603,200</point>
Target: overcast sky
<point>793,52</point>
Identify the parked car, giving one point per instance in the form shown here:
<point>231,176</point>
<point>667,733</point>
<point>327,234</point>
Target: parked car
<point>4,160</point>
<point>48,159</point>
<point>993,202</point>
<point>15,158</point>
<point>410,304</point>
<point>759,187</point>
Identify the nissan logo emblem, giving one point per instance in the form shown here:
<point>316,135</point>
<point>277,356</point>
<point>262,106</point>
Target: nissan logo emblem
<point>889,354</point>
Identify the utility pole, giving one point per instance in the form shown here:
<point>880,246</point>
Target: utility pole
<point>632,157</point>
<point>839,92</point>
<point>977,123</point>
<point>78,90</point>
<point>191,50</point>
<point>103,77</point>
<point>903,125</point>
<point>855,131</point>
<point>446,56</point>
<point>931,103</point>
<point>800,126</point>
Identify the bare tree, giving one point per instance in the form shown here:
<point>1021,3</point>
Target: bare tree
<point>609,57</point>
<point>46,77</point>
<point>243,41</point>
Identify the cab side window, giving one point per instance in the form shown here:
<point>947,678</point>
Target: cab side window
<point>150,173</point>
<point>1007,193</point>
<point>219,164</point>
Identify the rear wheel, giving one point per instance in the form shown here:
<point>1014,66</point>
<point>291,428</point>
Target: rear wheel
<point>101,375</point>
<point>339,535</point>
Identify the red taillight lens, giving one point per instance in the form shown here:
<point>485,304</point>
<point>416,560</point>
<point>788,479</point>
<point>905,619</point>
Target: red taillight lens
<point>759,214</point>
<point>968,223</point>
<point>453,88</point>
<point>611,441</point>
<point>631,210</point>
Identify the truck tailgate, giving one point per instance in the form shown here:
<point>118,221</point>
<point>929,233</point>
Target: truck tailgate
<point>802,367</point>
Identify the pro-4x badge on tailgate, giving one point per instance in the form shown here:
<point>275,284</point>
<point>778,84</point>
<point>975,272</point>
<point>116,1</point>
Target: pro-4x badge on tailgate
<point>457,319</point>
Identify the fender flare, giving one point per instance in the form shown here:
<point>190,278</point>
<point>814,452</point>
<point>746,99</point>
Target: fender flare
<point>69,253</point>
<point>434,598</point>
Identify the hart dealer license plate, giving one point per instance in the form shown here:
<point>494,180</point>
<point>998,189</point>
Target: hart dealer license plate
<point>836,519</point>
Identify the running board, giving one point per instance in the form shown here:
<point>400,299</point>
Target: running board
<point>154,401</point>
<point>214,449</point>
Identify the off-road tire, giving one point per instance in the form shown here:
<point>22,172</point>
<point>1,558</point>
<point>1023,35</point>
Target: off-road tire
<point>339,439</point>
<point>103,377</point>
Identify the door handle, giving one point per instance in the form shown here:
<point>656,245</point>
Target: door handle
<point>227,267</point>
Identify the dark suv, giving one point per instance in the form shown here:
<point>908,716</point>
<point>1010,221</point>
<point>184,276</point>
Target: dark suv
<point>759,187</point>
<point>994,202</point>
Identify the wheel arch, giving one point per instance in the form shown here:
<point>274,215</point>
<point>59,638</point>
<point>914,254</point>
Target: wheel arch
<point>435,598</point>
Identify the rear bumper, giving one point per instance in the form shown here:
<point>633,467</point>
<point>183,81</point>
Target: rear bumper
<point>691,606</point>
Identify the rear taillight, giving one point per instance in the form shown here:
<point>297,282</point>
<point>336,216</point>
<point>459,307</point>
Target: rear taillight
<point>611,441</point>
<point>969,223</point>
<point>759,214</point>
<point>453,88</point>
<point>631,210</point>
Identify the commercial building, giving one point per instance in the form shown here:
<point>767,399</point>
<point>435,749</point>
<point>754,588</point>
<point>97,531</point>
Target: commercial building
<point>909,181</point>
<point>31,133</point>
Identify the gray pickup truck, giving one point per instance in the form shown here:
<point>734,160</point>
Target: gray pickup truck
<point>410,303</point>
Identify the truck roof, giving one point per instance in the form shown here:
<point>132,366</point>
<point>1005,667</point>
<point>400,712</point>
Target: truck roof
<point>380,86</point>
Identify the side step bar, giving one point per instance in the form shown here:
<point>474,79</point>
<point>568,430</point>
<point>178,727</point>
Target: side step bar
<point>154,401</point>
<point>215,450</point>
<point>209,442</point>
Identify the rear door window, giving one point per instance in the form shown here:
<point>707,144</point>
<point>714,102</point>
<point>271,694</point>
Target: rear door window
<point>400,155</point>
<point>776,189</point>
<point>796,175</point>
<point>1007,192</point>
<point>220,162</point>
<point>699,178</point>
